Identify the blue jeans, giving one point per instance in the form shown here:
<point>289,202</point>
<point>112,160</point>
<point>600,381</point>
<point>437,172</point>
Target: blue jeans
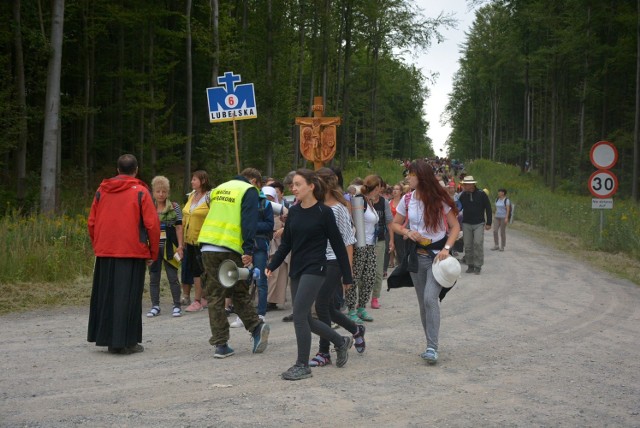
<point>260,262</point>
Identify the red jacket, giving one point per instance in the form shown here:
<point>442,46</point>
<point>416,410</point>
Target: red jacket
<point>123,221</point>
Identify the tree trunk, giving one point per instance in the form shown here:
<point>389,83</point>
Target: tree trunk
<point>583,98</point>
<point>552,134</point>
<point>153,135</point>
<point>187,150</point>
<point>50,139</point>
<point>346,121</point>
<point>21,161</point>
<point>270,105</point>
<point>301,53</point>
<point>636,137</point>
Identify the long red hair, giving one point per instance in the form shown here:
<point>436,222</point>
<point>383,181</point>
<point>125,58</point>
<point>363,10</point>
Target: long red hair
<point>432,195</point>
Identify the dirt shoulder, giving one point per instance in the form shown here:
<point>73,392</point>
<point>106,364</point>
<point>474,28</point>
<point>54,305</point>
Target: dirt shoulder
<point>540,338</point>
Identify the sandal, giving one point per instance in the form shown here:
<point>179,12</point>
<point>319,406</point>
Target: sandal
<point>153,312</point>
<point>320,360</point>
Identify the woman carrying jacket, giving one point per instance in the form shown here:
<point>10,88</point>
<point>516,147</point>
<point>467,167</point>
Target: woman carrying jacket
<point>434,227</point>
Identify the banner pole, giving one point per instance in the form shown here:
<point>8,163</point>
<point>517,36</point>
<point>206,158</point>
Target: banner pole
<point>235,140</point>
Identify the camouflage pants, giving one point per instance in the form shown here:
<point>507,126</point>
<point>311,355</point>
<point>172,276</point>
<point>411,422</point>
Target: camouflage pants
<point>216,294</point>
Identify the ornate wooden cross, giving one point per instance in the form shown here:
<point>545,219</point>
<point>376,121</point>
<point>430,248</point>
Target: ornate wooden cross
<point>318,135</point>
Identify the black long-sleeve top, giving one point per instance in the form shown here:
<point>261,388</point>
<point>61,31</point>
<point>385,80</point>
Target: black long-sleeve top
<point>475,206</point>
<point>305,235</point>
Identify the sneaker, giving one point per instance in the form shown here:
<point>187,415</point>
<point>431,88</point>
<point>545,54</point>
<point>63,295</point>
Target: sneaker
<point>375,304</point>
<point>353,316</point>
<point>185,301</point>
<point>320,360</point>
<point>204,303</point>
<point>297,372</point>
<point>359,339</point>
<point>194,307</point>
<point>363,315</point>
<point>260,337</point>
<point>177,312</point>
<point>342,352</point>
<point>262,318</point>
<point>496,248</point>
<point>470,269</point>
<point>430,356</point>
<point>237,323</point>
<point>502,249</point>
<point>288,318</point>
<point>153,312</point>
<point>334,325</point>
<point>477,270</point>
<point>223,351</point>
<point>272,307</point>
<point>132,349</point>
<point>229,310</point>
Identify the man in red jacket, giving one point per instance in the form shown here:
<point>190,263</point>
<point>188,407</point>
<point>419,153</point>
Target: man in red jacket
<point>125,234</point>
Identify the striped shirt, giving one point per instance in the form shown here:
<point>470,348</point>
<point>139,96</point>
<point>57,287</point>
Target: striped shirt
<point>343,220</point>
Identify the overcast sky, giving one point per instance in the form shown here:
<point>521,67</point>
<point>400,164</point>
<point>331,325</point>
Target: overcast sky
<point>443,59</point>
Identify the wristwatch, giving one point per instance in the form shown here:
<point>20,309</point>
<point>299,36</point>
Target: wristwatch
<point>447,247</point>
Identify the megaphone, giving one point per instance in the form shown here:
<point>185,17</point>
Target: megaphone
<point>229,273</point>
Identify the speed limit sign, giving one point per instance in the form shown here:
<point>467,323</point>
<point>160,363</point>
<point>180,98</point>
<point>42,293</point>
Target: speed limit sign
<point>603,183</point>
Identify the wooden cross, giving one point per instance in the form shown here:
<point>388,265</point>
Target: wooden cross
<point>318,135</point>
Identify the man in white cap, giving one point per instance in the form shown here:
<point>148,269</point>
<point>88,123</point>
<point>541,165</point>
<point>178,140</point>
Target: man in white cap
<point>476,218</point>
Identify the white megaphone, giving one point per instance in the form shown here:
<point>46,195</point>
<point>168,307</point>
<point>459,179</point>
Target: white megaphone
<point>229,273</point>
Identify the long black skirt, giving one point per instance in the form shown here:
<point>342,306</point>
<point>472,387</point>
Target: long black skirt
<point>115,315</point>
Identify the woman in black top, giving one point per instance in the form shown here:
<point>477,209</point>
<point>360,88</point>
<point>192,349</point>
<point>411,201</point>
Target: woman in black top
<point>309,224</point>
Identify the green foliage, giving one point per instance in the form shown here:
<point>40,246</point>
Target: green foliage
<point>123,86</point>
<point>561,211</point>
<point>36,248</point>
<point>389,169</point>
<point>543,80</point>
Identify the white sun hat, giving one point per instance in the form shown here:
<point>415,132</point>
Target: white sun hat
<point>270,191</point>
<point>447,271</point>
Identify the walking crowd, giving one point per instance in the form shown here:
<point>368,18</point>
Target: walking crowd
<point>332,247</point>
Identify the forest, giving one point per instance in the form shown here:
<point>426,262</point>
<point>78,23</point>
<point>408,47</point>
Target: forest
<point>84,81</point>
<point>543,81</point>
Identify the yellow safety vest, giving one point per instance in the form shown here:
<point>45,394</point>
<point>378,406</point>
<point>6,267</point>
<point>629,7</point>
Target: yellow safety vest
<point>223,225</point>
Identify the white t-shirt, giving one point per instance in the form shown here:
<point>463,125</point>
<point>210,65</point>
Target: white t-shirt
<point>416,218</point>
<point>370,221</point>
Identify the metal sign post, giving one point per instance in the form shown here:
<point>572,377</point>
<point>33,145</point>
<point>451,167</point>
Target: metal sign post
<point>603,184</point>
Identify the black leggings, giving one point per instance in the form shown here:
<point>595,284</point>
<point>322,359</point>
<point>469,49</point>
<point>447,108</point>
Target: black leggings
<point>303,293</point>
<point>325,306</point>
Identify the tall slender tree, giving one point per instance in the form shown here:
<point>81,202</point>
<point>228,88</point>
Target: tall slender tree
<point>51,133</point>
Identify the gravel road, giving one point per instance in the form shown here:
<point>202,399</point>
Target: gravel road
<point>539,339</point>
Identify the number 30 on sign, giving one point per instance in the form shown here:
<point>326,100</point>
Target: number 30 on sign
<point>603,183</point>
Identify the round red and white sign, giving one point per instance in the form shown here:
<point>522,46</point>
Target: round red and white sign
<point>603,155</point>
<point>603,183</point>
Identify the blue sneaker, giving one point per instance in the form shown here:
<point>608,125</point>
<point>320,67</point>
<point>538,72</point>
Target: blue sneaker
<point>430,356</point>
<point>223,351</point>
<point>260,337</point>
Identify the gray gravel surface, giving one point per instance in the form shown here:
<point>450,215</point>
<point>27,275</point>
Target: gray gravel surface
<point>538,339</point>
